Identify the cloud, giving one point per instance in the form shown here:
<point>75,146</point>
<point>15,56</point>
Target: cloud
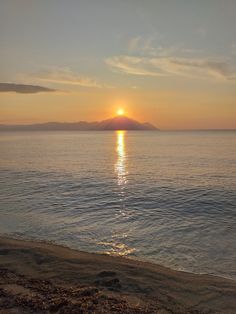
<point>23,88</point>
<point>132,65</point>
<point>233,49</point>
<point>148,57</point>
<point>134,43</point>
<point>173,66</point>
<point>66,76</point>
<point>213,67</point>
<point>147,46</point>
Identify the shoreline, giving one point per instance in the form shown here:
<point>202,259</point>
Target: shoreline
<point>126,257</point>
<point>114,284</point>
<point>139,259</point>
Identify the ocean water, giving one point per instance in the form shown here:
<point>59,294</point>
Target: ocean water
<point>165,197</point>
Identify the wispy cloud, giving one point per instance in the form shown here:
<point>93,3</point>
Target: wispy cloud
<point>150,57</point>
<point>233,49</point>
<point>132,65</point>
<point>148,46</point>
<point>66,76</point>
<point>173,66</point>
<point>23,89</point>
<point>218,68</point>
<point>134,43</point>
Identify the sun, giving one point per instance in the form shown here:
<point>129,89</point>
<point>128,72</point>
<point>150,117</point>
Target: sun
<point>120,112</point>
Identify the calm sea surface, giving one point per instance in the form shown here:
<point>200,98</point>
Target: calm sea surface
<point>167,197</point>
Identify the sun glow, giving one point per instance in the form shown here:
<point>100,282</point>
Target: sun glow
<point>120,112</point>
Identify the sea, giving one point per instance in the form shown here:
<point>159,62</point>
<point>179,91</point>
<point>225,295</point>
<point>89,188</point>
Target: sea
<point>165,197</point>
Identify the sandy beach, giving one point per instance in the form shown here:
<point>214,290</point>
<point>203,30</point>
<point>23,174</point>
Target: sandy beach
<point>38,277</point>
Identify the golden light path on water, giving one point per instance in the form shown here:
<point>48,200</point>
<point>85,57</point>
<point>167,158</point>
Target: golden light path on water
<point>116,245</point>
<point>120,166</point>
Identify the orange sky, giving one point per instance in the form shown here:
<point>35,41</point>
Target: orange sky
<point>166,110</point>
<point>164,62</point>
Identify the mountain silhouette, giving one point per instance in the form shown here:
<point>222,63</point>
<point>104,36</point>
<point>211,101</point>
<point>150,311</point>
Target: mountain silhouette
<point>116,123</point>
<point>124,123</point>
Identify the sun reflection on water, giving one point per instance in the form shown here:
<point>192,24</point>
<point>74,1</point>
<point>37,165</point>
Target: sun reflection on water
<point>116,244</point>
<point>116,248</point>
<point>120,166</point>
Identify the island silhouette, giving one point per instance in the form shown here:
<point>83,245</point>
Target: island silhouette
<point>113,124</point>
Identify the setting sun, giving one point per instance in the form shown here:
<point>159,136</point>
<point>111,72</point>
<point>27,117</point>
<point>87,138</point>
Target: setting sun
<point>120,112</point>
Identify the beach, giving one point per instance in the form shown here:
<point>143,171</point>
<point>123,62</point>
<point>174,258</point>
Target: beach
<point>38,277</point>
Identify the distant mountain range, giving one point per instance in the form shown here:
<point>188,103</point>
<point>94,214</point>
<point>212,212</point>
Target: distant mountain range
<point>116,123</point>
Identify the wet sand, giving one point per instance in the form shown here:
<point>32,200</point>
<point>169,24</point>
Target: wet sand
<point>38,277</point>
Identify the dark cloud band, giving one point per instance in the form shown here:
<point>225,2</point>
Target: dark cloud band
<point>23,89</point>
